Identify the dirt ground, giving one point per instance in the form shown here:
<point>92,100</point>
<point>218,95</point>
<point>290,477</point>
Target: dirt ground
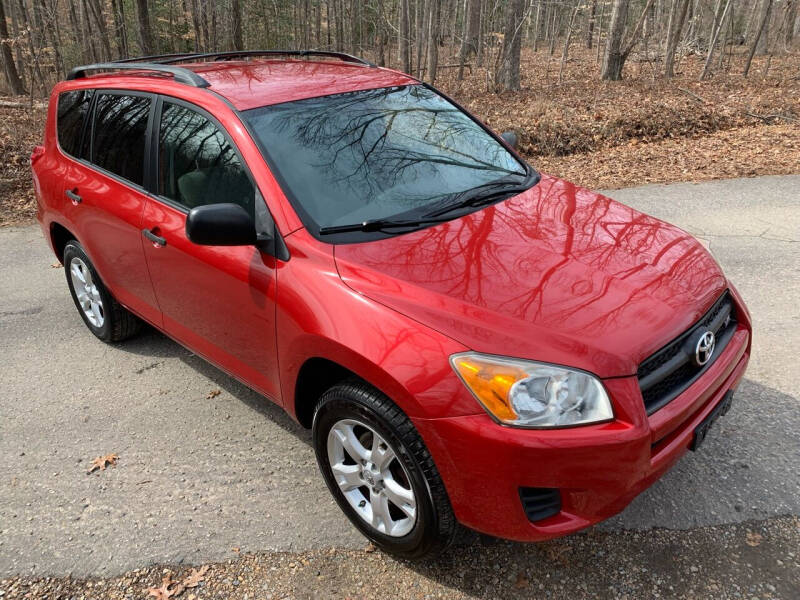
<point>759,561</point>
<point>598,134</point>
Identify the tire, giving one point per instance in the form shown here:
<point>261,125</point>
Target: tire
<point>357,408</point>
<point>106,318</point>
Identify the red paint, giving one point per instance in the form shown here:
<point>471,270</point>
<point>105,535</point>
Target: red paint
<point>557,274</point>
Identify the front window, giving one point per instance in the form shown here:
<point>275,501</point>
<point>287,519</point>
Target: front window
<point>391,153</point>
<point>197,165</point>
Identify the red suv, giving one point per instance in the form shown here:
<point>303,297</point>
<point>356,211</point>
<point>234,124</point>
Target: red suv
<point>470,341</point>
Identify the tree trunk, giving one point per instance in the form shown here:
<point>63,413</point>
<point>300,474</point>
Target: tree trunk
<point>614,59</point>
<point>405,33</point>
<point>616,51</point>
<point>713,42</point>
<point>380,35</point>
<point>759,33</point>
<point>236,25</point>
<point>676,20</point>
<point>791,19</point>
<point>118,13</point>
<point>472,24</point>
<point>10,68</point>
<point>590,24</point>
<point>565,53</point>
<point>96,10</point>
<point>507,76</point>
<point>434,16</point>
<point>762,41</point>
<point>145,32</point>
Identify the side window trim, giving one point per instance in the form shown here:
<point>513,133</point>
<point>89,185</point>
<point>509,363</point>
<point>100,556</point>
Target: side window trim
<point>88,161</point>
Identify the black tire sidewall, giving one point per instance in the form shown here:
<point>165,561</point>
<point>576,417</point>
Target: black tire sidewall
<point>336,405</point>
<point>74,249</point>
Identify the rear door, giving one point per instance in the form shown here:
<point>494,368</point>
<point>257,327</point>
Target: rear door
<point>104,195</point>
<point>218,301</point>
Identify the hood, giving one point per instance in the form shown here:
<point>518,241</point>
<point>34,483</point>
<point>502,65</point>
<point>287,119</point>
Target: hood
<point>556,274</point>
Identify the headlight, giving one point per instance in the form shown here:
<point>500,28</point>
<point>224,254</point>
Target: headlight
<point>523,393</point>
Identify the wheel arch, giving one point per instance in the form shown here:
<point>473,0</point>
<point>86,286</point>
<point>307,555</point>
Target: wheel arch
<point>59,237</point>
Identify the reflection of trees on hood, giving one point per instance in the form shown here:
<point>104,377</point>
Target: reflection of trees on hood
<point>374,138</point>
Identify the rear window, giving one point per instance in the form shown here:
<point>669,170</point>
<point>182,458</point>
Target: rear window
<point>120,129</point>
<point>72,110</point>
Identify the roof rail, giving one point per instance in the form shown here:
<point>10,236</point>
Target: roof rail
<point>229,55</point>
<point>156,58</point>
<point>180,74</point>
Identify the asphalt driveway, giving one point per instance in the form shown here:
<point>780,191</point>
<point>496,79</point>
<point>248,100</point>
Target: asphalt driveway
<point>208,469</point>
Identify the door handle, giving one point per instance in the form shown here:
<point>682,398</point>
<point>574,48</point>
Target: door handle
<point>158,241</point>
<point>74,197</point>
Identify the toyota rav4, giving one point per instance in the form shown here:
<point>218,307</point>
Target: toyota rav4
<point>470,341</point>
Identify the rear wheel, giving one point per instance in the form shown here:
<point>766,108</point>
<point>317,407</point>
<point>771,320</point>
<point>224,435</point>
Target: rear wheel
<point>104,316</point>
<point>380,472</point>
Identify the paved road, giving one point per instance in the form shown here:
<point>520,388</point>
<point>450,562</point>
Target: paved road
<point>200,476</point>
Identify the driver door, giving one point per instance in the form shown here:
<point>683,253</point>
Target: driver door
<point>219,301</point>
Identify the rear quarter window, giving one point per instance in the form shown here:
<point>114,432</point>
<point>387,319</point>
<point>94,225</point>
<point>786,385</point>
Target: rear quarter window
<point>73,108</point>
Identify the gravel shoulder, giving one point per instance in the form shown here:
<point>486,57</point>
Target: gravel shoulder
<point>749,560</point>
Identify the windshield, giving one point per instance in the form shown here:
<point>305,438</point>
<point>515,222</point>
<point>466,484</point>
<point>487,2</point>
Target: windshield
<point>379,154</point>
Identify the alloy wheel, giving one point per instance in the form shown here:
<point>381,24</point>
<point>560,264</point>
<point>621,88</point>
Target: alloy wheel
<point>86,291</point>
<point>372,478</point>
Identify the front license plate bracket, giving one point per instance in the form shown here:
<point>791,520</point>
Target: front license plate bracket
<point>701,431</point>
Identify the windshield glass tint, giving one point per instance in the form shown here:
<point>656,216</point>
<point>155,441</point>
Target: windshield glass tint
<point>377,154</point>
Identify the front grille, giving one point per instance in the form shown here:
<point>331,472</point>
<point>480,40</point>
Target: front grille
<point>672,369</point>
<point>540,503</point>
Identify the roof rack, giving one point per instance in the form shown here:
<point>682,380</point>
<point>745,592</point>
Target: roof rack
<point>230,55</point>
<point>155,58</point>
<point>180,74</point>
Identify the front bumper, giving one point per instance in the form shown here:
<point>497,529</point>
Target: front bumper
<point>598,469</point>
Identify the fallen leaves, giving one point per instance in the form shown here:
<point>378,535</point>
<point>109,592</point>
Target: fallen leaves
<point>171,589</point>
<point>753,538</point>
<point>102,461</point>
<point>195,577</point>
<point>522,582</point>
<point>56,265</point>
<point>213,394</point>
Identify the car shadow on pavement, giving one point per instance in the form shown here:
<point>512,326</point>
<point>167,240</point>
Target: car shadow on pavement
<point>153,343</point>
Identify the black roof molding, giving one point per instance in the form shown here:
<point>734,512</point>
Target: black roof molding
<point>180,74</point>
<point>234,54</point>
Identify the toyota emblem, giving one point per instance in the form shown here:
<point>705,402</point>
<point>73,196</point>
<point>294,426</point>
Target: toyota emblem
<point>704,348</point>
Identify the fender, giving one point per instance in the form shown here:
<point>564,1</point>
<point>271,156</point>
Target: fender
<point>318,316</point>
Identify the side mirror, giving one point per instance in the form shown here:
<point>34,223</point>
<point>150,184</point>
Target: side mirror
<point>220,225</point>
<point>510,138</point>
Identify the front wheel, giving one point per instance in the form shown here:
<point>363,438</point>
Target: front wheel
<point>380,472</point>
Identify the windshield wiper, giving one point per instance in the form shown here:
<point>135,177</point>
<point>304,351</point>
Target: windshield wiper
<point>483,194</point>
<point>380,225</point>
<point>477,196</point>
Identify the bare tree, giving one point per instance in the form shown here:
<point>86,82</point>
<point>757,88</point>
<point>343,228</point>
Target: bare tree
<point>590,24</point>
<point>714,35</point>
<point>10,68</point>
<point>765,10</point>
<point>236,24</point>
<point>434,18</point>
<point>677,16</point>
<point>762,36</point>
<point>617,50</point>
<point>405,36</point>
<point>472,25</point>
<point>145,31</point>
<point>507,76</point>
